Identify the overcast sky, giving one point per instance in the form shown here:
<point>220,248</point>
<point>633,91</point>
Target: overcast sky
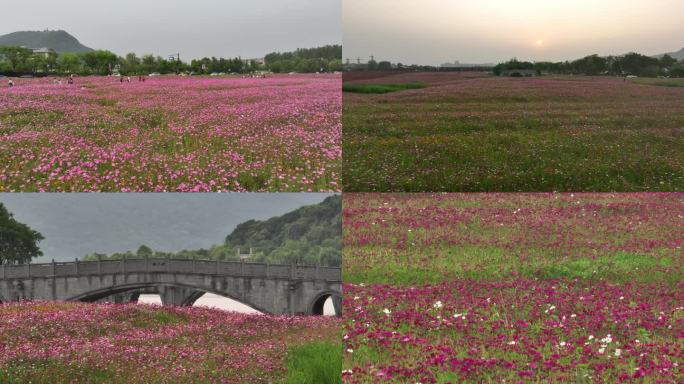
<point>477,31</point>
<point>76,224</point>
<point>197,28</point>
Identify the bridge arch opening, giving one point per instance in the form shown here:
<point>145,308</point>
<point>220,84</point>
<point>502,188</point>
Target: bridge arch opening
<point>204,300</point>
<point>212,300</point>
<point>328,303</point>
<point>151,293</point>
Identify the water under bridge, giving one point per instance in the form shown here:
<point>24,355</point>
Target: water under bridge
<point>268,288</point>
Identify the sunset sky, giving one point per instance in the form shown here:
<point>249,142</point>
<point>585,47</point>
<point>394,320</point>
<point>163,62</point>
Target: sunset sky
<point>438,31</point>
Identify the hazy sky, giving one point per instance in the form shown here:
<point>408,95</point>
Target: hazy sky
<point>75,224</point>
<point>476,31</point>
<point>197,28</point>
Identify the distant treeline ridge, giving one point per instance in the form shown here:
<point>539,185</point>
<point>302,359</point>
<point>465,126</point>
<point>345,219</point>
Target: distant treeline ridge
<point>23,61</point>
<point>309,235</point>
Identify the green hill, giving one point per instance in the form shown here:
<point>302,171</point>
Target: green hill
<point>313,230</point>
<point>60,41</point>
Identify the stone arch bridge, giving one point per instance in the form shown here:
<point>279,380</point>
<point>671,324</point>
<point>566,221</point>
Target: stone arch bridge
<point>269,288</point>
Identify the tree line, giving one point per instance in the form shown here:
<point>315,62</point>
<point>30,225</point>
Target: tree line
<point>18,242</point>
<point>309,235</point>
<point>630,64</point>
<point>22,61</point>
<point>321,59</point>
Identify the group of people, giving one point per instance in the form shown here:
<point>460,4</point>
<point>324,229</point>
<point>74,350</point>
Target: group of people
<point>141,79</point>
<point>70,80</point>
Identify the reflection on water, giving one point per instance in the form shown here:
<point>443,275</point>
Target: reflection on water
<point>219,302</point>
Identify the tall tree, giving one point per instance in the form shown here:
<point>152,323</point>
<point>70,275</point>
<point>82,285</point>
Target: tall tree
<point>18,242</point>
<point>16,56</point>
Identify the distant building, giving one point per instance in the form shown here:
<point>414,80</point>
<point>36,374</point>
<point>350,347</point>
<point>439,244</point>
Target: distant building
<point>455,64</point>
<point>458,64</point>
<point>260,61</point>
<point>44,51</point>
<point>519,72</point>
<point>245,256</point>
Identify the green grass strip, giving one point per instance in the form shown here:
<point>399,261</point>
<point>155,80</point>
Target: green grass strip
<point>380,88</point>
<point>315,363</point>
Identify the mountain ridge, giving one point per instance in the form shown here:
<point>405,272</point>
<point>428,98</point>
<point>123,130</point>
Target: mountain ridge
<point>61,41</point>
<point>679,55</point>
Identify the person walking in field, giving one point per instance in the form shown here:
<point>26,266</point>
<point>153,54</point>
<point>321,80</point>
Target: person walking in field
<point>121,79</point>
<point>11,83</point>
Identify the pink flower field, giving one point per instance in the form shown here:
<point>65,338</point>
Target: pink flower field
<point>516,288</point>
<point>281,133</point>
<point>86,343</point>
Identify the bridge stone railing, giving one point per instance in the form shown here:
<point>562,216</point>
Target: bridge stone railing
<point>155,265</point>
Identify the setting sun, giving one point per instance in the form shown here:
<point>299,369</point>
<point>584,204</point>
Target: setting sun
<point>540,42</point>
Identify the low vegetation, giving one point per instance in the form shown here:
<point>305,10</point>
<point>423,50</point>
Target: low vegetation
<point>91,343</point>
<point>317,362</point>
<point>380,88</point>
<point>466,133</point>
<point>572,287</point>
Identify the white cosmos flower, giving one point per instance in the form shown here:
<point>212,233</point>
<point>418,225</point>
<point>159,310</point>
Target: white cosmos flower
<point>562,344</point>
<point>349,350</point>
<point>601,350</point>
<point>618,352</point>
<point>607,340</point>
<point>511,342</point>
<point>438,304</point>
<point>387,311</point>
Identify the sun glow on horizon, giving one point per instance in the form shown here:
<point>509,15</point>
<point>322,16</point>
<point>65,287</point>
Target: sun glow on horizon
<point>540,42</point>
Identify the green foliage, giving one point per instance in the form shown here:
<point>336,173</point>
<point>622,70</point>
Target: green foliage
<point>629,64</point>
<point>17,60</point>
<point>327,59</point>
<point>380,88</point>
<point>100,62</point>
<point>16,57</point>
<point>315,362</point>
<point>308,235</point>
<point>18,242</point>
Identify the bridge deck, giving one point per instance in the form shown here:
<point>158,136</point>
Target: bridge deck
<point>187,266</point>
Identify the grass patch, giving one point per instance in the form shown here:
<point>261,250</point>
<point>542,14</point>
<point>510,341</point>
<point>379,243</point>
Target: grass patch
<point>491,263</point>
<point>380,88</point>
<point>317,362</point>
<point>660,82</point>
